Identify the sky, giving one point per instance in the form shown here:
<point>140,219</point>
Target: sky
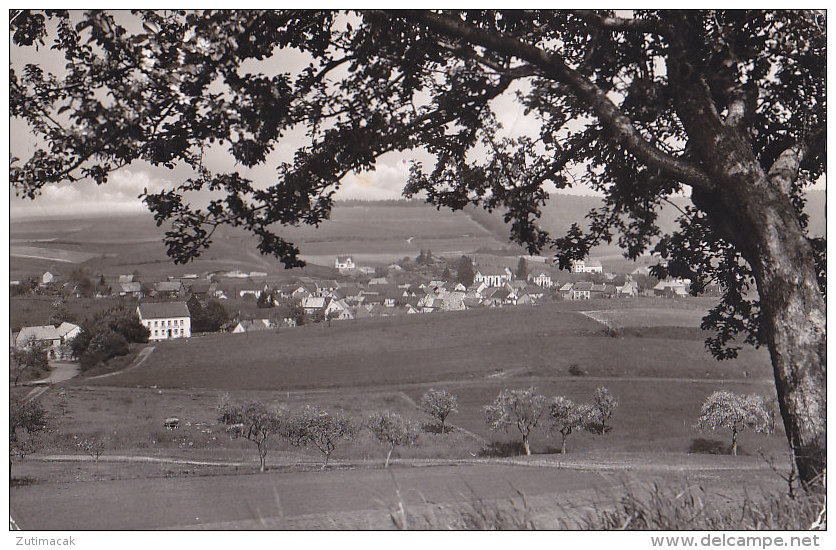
<point>121,192</point>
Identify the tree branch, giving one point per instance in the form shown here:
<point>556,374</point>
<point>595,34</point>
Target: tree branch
<point>553,66</point>
<point>785,169</point>
<point>611,23</point>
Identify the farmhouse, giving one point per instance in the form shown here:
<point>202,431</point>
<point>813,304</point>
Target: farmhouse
<point>127,289</point>
<point>253,289</point>
<point>165,320</point>
<point>493,276</point>
<point>55,338</point>
<point>254,325</point>
<point>344,263</point>
<point>586,266</point>
<point>542,279</point>
<point>170,289</point>
<point>47,278</point>
<point>672,287</point>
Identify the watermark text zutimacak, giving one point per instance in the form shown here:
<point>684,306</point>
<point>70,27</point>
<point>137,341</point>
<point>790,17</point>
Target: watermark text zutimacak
<point>43,541</point>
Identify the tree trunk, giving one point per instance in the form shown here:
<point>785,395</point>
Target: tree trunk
<point>563,444</point>
<point>526,445</point>
<point>325,464</point>
<point>388,456</point>
<point>734,442</point>
<point>262,457</point>
<point>753,210</point>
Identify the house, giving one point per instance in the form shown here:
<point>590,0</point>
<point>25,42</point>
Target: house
<point>672,287</point>
<point>344,263</point>
<point>337,310</point>
<point>68,331</point>
<point>313,304</point>
<point>589,291</point>
<point>127,289</point>
<point>586,266</point>
<point>629,288</point>
<point>47,278</point>
<point>501,296</point>
<point>565,291</point>
<point>493,276</point>
<point>378,281</point>
<point>254,325</point>
<point>165,320</point>
<point>126,278</point>
<point>541,279</point>
<point>170,289</point>
<point>326,288</point>
<point>252,289</point>
<point>54,338</point>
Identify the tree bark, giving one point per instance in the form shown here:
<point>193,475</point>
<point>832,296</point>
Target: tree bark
<point>754,212</point>
<point>563,444</point>
<point>262,457</point>
<point>734,442</point>
<point>388,456</point>
<point>526,445</point>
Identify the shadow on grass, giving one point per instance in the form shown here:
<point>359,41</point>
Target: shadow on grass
<point>435,428</point>
<point>501,449</point>
<point>701,445</point>
<point>24,481</point>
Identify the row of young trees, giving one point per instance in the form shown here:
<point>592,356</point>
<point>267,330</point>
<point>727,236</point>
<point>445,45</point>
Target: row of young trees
<point>525,410</point>
<point>312,427</point>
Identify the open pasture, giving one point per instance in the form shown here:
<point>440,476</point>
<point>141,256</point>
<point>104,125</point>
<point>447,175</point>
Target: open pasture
<point>366,353</point>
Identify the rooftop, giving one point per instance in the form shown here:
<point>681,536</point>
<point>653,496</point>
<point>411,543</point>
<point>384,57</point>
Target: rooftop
<point>163,310</point>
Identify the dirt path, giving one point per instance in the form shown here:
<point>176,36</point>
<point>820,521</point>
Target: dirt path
<point>626,462</point>
<point>140,359</point>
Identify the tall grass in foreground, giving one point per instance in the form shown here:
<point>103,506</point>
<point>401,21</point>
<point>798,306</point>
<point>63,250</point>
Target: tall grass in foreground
<point>662,507</point>
<point>653,507</point>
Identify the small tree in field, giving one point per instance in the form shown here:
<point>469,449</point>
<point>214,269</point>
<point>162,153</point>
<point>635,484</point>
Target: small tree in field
<point>439,404</point>
<point>253,421</point>
<point>25,417</point>
<point>392,429</point>
<point>33,358</point>
<point>727,410</point>
<point>94,446</point>
<point>567,417</point>
<point>520,408</point>
<point>602,408</point>
<point>321,429</point>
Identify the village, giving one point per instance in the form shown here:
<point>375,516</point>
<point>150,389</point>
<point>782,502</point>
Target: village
<point>256,301</point>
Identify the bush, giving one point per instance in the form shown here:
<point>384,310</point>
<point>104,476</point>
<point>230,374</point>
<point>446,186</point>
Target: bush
<point>104,345</point>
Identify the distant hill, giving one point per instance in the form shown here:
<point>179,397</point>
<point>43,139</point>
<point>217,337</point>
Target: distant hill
<point>562,210</point>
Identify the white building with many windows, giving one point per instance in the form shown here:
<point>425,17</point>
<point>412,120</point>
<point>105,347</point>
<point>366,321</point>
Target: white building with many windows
<point>165,320</point>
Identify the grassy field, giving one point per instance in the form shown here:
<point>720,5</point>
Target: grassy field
<point>337,499</point>
<point>544,340</point>
<point>660,377</point>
